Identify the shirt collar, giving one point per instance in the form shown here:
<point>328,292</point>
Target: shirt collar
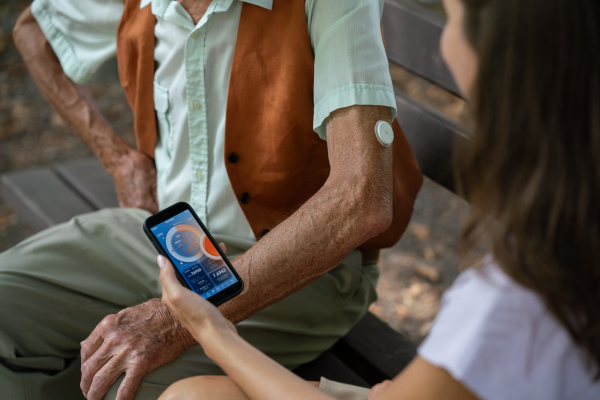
<point>268,4</point>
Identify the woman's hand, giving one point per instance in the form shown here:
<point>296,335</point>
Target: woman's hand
<point>202,319</point>
<point>377,389</point>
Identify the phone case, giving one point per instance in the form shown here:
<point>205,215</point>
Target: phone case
<point>170,214</point>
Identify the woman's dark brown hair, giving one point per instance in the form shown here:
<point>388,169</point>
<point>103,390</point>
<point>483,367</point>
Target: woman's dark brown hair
<point>532,168</point>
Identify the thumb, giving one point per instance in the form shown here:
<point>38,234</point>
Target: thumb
<point>167,275</point>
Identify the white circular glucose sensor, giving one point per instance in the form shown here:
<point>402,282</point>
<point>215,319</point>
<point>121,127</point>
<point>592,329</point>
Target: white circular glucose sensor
<point>384,133</point>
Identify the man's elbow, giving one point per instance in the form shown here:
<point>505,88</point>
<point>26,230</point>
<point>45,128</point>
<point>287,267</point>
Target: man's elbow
<point>22,30</point>
<point>17,31</point>
<point>377,211</point>
<point>378,221</point>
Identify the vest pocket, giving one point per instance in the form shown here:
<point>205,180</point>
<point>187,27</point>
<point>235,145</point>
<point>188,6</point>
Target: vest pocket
<point>163,117</point>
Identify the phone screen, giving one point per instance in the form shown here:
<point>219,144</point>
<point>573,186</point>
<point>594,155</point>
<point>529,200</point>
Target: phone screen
<point>193,254</point>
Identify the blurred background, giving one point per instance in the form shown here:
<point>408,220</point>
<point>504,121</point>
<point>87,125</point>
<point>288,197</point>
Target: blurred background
<point>414,273</point>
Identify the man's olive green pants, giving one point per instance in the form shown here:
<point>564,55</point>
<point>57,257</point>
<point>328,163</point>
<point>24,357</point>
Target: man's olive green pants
<point>56,286</point>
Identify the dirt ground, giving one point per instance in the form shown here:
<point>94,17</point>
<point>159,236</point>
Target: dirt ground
<point>414,273</point>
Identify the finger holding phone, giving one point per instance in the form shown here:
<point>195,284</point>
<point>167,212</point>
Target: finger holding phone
<point>197,315</point>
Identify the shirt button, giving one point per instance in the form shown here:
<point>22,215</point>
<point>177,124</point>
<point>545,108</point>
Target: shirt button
<point>199,176</point>
<point>196,34</point>
<point>233,158</point>
<point>245,198</point>
<point>197,105</point>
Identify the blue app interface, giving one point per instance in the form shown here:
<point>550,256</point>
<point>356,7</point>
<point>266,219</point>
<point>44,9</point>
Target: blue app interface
<point>194,255</point>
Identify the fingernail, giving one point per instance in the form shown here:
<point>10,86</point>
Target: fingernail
<point>161,261</point>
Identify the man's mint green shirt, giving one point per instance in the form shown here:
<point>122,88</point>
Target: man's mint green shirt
<point>192,80</point>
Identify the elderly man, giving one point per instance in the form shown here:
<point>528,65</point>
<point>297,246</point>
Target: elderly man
<point>261,115</point>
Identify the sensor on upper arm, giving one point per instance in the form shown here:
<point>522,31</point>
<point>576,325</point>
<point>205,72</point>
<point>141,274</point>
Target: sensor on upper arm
<point>384,133</point>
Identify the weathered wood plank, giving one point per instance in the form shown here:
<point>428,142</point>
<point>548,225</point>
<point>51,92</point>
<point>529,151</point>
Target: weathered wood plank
<point>329,366</point>
<point>433,138</point>
<point>41,198</point>
<point>412,37</point>
<point>89,179</point>
<point>374,351</point>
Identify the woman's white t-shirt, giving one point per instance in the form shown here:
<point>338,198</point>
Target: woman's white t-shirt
<point>498,339</point>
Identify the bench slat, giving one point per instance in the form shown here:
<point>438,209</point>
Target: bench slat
<point>374,351</point>
<point>89,179</point>
<point>41,198</point>
<point>412,37</point>
<point>329,366</point>
<point>432,137</point>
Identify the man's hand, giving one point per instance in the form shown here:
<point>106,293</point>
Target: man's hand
<point>135,180</point>
<point>133,172</point>
<point>135,341</point>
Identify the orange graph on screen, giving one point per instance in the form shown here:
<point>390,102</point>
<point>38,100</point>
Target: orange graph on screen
<point>209,248</point>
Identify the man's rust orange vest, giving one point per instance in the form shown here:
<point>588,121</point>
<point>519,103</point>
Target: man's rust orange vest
<point>281,161</point>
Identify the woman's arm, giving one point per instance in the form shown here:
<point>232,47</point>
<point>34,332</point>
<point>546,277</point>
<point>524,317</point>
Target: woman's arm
<point>259,377</point>
<point>421,380</point>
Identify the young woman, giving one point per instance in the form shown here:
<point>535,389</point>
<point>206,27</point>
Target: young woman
<point>525,322</point>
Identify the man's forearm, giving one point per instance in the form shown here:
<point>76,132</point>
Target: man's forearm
<point>71,101</point>
<point>354,205</point>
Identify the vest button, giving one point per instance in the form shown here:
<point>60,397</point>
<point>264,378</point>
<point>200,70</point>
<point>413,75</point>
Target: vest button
<point>233,158</point>
<point>245,198</point>
<point>264,232</point>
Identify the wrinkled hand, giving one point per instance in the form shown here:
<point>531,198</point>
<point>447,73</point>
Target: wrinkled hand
<point>377,389</point>
<point>135,180</point>
<point>135,341</point>
<point>201,318</point>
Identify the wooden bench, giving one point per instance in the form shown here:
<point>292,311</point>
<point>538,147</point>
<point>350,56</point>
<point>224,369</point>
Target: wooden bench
<point>371,351</point>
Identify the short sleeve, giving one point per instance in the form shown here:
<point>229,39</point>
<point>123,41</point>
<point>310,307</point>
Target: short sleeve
<point>82,33</point>
<point>470,335</point>
<point>351,66</point>
<point>500,342</point>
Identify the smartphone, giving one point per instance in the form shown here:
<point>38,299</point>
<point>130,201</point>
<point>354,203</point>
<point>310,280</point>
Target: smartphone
<point>200,265</point>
